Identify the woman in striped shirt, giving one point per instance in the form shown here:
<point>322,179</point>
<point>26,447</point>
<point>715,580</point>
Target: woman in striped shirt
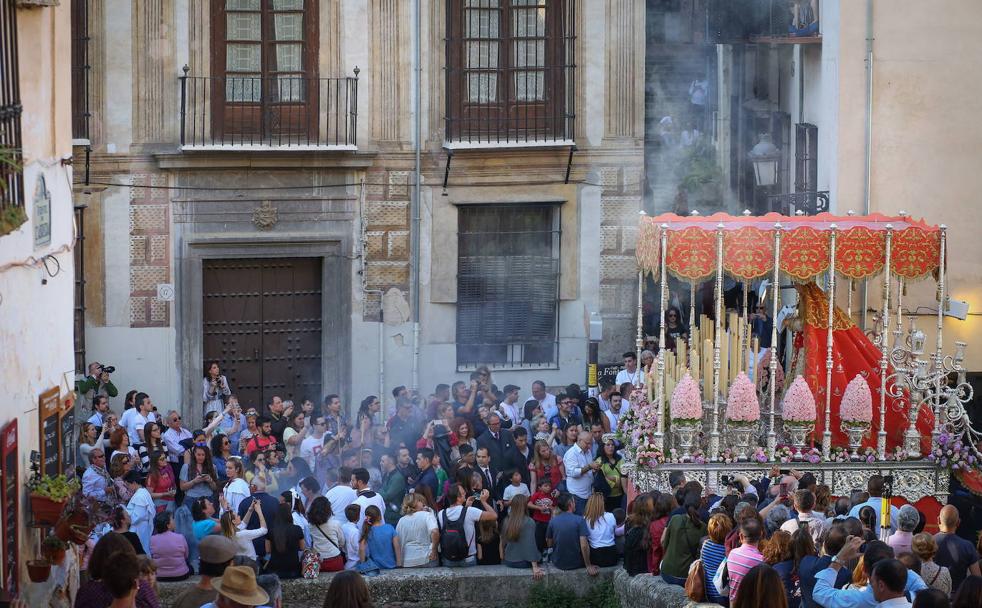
<point>713,552</point>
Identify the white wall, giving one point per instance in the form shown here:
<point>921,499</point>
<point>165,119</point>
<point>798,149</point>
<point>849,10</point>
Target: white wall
<point>145,360</point>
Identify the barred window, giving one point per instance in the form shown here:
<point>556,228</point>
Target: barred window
<point>11,176</point>
<point>508,285</point>
<point>510,70</point>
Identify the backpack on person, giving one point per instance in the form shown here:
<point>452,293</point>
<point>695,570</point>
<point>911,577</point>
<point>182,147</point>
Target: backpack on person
<point>453,540</point>
<point>695,582</point>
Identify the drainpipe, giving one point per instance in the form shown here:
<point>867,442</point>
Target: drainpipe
<point>365,290</point>
<point>414,232</point>
<point>869,137</point>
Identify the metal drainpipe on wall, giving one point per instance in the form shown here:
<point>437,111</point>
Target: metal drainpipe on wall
<point>869,141</point>
<point>414,230</point>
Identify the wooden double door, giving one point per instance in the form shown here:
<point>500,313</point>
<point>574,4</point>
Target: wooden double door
<point>262,322</point>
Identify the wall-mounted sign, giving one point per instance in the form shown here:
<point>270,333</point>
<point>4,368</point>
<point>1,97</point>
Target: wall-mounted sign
<point>49,407</point>
<point>9,511</point>
<point>42,214</point>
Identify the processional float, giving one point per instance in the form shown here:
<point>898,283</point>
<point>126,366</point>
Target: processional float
<point>851,402</point>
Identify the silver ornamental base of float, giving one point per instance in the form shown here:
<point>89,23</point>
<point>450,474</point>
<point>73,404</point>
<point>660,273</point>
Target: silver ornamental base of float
<point>686,435</point>
<point>740,438</point>
<point>912,479</point>
<point>798,435</point>
<point>855,432</point>
<point>912,443</point>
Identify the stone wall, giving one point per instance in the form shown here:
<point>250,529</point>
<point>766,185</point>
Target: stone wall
<point>487,586</point>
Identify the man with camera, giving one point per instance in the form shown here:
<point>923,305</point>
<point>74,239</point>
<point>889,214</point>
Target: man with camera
<point>96,383</point>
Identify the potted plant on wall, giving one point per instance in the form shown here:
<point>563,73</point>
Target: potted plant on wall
<point>53,549</point>
<point>49,495</point>
<point>11,216</point>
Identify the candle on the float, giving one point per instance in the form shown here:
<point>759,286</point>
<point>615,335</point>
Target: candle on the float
<point>724,363</point>
<point>707,368</point>
<point>755,359</point>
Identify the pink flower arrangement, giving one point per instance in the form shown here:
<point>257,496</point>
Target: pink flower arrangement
<point>741,404</point>
<point>799,403</point>
<point>857,402</point>
<point>686,403</point>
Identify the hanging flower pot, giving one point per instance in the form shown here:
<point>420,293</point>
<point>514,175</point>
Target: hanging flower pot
<point>38,570</point>
<point>45,510</point>
<point>53,549</point>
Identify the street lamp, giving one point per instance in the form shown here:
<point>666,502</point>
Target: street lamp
<point>765,157</point>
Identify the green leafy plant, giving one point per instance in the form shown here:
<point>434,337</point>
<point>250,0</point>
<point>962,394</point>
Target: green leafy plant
<point>53,543</point>
<point>11,217</point>
<point>549,595</point>
<point>57,489</point>
<point>698,168</point>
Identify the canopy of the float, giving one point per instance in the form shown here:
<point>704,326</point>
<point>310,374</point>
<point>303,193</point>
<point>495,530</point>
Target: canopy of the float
<point>861,244</point>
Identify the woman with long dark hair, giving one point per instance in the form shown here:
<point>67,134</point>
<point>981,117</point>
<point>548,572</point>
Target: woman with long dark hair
<point>518,548</point>
<point>681,541</point>
<point>637,538</point>
<point>294,433</point>
<point>610,468</point>
<point>94,592</point>
<point>284,544</point>
<point>299,513</point>
<point>169,549</point>
<point>122,463</point>
<point>205,522</point>
<point>161,482</point>
<point>592,415</point>
<point>662,507</point>
<point>545,464</point>
<point>198,478</point>
<point>326,536</point>
<point>214,388</point>
<point>152,442</point>
<point>221,451</point>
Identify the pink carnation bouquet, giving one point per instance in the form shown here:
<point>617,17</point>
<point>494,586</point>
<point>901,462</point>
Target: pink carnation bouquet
<point>857,403</point>
<point>686,402</point>
<point>799,403</point>
<point>742,406</point>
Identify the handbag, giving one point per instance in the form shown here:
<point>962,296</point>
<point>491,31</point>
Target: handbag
<point>721,580</point>
<point>310,564</point>
<point>695,583</point>
<point>344,556</point>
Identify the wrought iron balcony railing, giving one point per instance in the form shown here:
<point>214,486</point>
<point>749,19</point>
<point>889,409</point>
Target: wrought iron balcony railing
<point>269,113</point>
<point>809,203</point>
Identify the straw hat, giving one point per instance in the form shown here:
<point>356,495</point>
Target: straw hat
<point>239,585</point>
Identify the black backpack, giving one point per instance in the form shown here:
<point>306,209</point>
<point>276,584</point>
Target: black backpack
<point>453,539</point>
<point>635,555</point>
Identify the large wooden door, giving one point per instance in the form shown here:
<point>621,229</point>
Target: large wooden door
<point>262,323</point>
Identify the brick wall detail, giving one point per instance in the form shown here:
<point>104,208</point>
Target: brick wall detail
<point>620,203</point>
<point>149,246</point>
<point>387,225</point>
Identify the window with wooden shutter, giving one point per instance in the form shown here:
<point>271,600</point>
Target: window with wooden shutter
<point>508,286</point>
<point>12,213</point>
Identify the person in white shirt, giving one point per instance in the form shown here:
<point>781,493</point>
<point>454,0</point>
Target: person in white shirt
<point>508,408</point>
<point>889,582</point>
<point>418,533</point>
<point>173,437</point>
<point>630,371</point>
<point>580,467</point>
<point>236,490</point>
<point>804,502</point>
<point>603,529</point>
<point>366,496</point>
<point>135,418</point>
<point>547,401</point>
<point>457,497</point>
<point>616,409</point>
<point>352,536</point>
<point>514,488</point>
<point>607,388</point>
<point>234,527</point>
<point>341,495</point>
<point>140,507</point>
<point>313,443</point>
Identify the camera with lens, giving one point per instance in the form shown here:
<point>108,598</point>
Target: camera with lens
<point>107,369</point>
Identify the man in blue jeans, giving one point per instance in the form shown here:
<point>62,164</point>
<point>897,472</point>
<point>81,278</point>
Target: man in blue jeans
<point>459,501</point>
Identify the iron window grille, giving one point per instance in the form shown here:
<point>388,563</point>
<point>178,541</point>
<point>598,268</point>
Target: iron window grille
<point>79,254</point>
<point>81,70</point>
<point>11,175</point>
<point>508,286</point>
<point>510,68</point>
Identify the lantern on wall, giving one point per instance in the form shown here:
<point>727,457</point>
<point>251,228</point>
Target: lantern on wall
<point>766,158</point>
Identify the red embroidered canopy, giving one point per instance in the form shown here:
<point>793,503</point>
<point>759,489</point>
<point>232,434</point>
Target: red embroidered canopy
<point>748,245</point>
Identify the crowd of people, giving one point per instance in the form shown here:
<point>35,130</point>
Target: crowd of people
<point>472,475</point>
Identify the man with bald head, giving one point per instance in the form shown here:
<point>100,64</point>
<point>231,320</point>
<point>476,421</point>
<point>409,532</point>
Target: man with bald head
<point>954,552</point>
<point>580,468</point>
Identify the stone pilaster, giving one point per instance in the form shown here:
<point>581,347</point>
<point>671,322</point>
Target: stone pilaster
<point>386,236</point>
<point>625,48</point>
<point>390,78</point>
<point>154,72</point>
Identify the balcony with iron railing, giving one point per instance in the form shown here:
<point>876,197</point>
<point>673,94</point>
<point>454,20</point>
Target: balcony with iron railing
<point>253,113</point>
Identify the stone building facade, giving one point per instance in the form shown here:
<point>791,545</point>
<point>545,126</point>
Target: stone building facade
<point>203,233</point>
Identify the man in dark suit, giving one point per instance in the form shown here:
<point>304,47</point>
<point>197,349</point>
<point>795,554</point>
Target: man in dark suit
<point>269,504</point>
<point>518,458</point>
<point>488,472</point>
<point>498,441</point>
